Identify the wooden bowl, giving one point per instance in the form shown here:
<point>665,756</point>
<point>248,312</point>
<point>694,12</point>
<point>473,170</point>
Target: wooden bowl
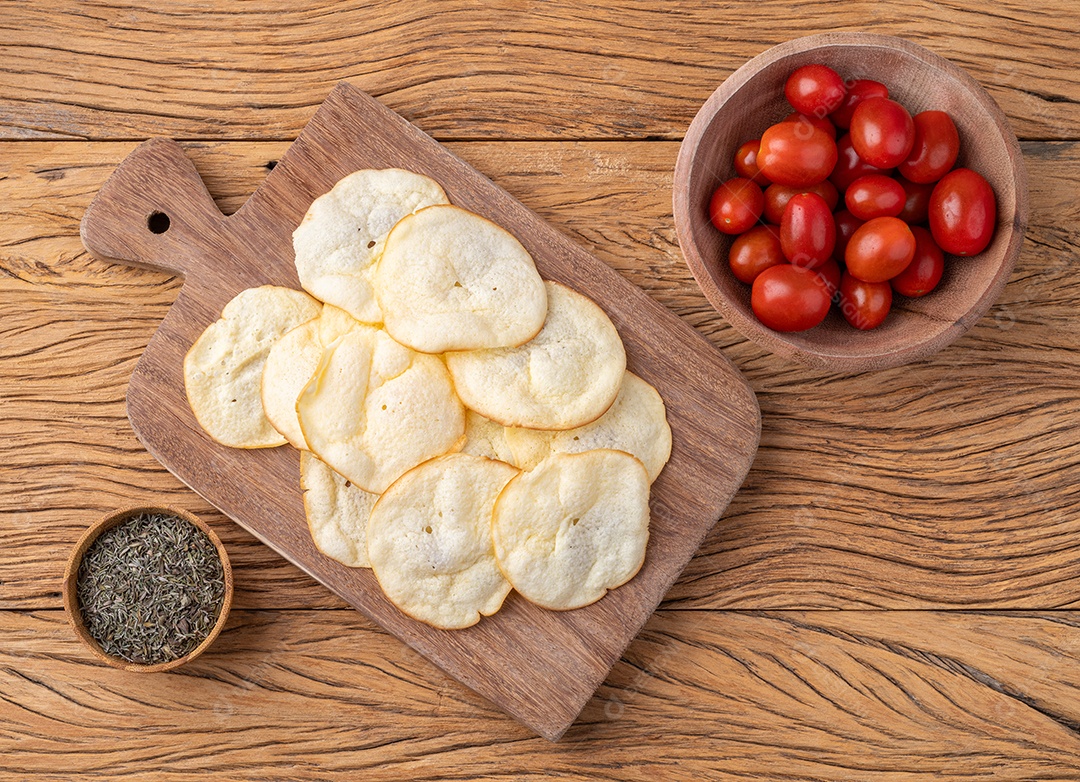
<point>752,98</point>
<point>71,575</point>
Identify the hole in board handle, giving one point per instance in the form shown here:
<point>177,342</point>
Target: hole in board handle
<point>158,222</point>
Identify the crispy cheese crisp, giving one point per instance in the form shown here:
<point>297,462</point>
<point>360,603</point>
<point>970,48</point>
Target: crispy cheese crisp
<point>636,423</point>
<point>337,512</point>
<point>375,409</point>
<point>565,377</point>
<point>341,237</point>
<point>292,362</point>
<point>289,366</point>
<point>572,528</point>
<point>450,280</point>
<point>223,369</point>
<point>429,541</point>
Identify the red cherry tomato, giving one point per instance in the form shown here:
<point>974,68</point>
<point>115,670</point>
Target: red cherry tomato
<point>858,91</point>
<point>882,132</point>
<point>864,304</point>
<point>755,251</point>
<point>815,90</point>
<point>746,163</point>
<point>874,195</point>
<point>924,272</point>
<point>846,225</point>
<point>937,144</point>
<point>789,298</point>
<point>830,276</point>
<point>807,231</point>
<point>822,123</point>
<point>777,197</point>
<point>736,205</point>
<point>849,166</point>
<point>880,249</point>
<point>962,212</point>
<point>916,202</point>
<point>797,155</point>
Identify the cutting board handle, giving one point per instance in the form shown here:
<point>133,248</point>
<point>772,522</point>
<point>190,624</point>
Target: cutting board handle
<point>154,212</point>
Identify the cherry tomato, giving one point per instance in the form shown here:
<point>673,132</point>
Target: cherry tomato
<point>777,197</point>
<point>790,155</point>
<point>882,132</point>
<point>924,272</point>
<point>815,90</point>
<point>962,212</point>
<point>849,166</point>
<point>789,298</point>
<point>822,123</point>
<point>858,91</point>
<point>746,163</point>
<point>937,144</point>
<point>864,304</point>
<point>755,251</point>
<point>736,205</point>
<point>916,202</point>
<point>880,249</point>
<point>846,225</point>
<point>807,231</point>
<point>830,276</point>
<point>874,195</point>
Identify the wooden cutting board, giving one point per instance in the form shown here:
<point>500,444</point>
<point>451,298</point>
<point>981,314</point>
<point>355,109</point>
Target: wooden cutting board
<point>540,666</point>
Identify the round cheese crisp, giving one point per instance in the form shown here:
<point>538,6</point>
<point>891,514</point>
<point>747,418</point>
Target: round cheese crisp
<point>337,512</point>
<point>289,366</point>
<point>573,528</point>
<point>292,362</point>
<point>636,423</point>
<point>429,541</point>
<point>484,437</point>
<point>375,409</point>
<point>567,376</point>
<point>450,280</point>
<point>223,369</point>
<point>340,238</point>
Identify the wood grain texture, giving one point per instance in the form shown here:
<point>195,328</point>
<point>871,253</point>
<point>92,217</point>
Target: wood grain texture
<point>313,695</point>
<point>950,483</point>
<point>111,69</point>
<point>540,666</point>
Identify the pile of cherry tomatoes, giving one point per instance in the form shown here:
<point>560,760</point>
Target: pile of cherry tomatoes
<point>899,204</point>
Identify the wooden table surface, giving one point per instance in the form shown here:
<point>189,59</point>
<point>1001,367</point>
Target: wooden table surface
<point>895,592</point>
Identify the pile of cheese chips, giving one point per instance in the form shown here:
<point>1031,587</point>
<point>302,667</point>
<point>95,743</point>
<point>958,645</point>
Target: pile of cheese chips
<point>465,427</point>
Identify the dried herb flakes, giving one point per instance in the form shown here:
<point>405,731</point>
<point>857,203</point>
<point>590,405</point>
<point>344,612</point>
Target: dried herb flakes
<point>150,589</point>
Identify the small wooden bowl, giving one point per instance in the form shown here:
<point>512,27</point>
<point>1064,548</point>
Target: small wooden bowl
<point>752,98</point>
<point>71,576</point>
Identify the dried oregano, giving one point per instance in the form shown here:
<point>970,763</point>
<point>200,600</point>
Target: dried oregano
<point>151,588</point>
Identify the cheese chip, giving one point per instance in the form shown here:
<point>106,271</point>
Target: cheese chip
<point>341,237</point>
<point>223,369</point>
<point>450,280</point>
<point>566,376</point>
<point>573,528</point>
<point>429,541</point>
<point>292,362</point>
<point>337,512</point>
<point>375,409</point>
<point>636,423</point>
